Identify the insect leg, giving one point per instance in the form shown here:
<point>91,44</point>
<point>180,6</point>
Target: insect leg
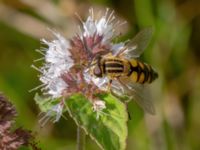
<point>109,85</point>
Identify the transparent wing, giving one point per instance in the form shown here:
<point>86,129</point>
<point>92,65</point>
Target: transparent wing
<point>138,44</point>
<point>133,91</point>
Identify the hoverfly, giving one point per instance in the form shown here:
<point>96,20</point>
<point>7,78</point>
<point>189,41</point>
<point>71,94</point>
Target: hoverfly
<point>126,74</point>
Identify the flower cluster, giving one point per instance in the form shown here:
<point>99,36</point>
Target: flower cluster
<point>11,139</point>
<point>66,68</point>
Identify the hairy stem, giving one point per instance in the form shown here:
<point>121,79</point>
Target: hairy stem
<point>80,139</point>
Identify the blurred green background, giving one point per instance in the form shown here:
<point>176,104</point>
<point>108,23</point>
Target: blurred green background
<point>173,51</point>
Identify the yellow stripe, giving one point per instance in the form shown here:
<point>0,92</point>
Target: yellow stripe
<point>114,68</point>
<point>134,76</point>
<point>134,63</point>
<point>149,73</point>
<point>113,62</point>
<point>141,79</point>
<point>149,78</point>
<point>141,65</point>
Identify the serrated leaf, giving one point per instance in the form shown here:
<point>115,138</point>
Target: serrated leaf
<point>110,129</point>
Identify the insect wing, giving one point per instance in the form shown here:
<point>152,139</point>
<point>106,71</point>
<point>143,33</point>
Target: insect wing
<point>142,96</point>
<point>133,91</point>
<point>138,44</point>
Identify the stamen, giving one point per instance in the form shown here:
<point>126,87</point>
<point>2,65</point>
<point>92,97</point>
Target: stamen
<point>34,67</point>
<point>44,119</point>
<point>122,23</point>
<point>42,85</point>
<point>107,10</point>
<point>109,17</point>
<point>39,51</point>
<point>91,13</point>
<point>79,18</point>
<point>39,59</point>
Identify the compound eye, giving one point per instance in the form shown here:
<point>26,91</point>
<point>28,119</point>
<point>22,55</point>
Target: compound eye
<point>97,71</point>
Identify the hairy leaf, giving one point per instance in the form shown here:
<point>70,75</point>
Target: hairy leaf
<point>110,129</point>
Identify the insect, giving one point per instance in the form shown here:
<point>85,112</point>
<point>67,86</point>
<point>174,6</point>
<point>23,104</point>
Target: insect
<point>127,75</point>
<point>116,68</point>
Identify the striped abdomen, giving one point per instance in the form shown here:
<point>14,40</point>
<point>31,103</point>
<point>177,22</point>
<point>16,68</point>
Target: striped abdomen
<point>141,72</point>
<point>137,71</point>
<point>115,67</point>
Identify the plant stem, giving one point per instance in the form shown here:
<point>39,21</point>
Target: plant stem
<point>80,139</point>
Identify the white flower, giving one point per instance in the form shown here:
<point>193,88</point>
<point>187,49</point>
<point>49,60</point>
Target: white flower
<point>104,26</point>
<point>55,86</point>
<point>58,77</point>
<point>98,106</point>
<point>54,112</point>
<point>57,109</point>
<point>57,62</point>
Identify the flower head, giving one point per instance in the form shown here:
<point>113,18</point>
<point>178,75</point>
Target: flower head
<point>103,27</point>
<point>98,106</point>
<point>11,139</point>
<point>58,61</point>
<point>67,62</point>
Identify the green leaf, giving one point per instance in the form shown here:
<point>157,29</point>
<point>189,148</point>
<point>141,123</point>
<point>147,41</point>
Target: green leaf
<point>45,103</point>
<point>110,129</point>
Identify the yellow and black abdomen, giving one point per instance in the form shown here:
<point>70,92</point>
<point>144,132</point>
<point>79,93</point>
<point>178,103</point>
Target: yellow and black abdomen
<point>114,67</point>
<point>141,72</point>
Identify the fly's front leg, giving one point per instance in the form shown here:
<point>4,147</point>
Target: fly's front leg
<point>109,85</point>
